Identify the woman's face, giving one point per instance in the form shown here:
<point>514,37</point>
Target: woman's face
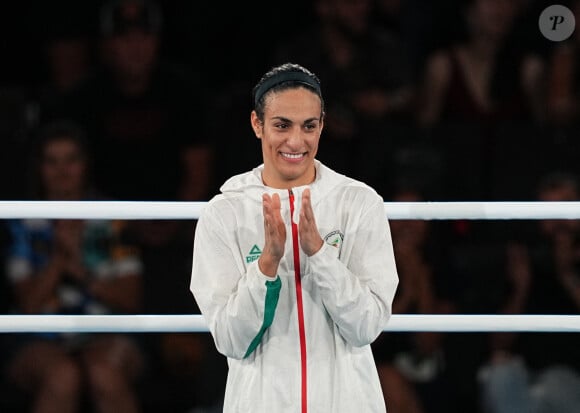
<point>290,134</point>
<point>63,168</point>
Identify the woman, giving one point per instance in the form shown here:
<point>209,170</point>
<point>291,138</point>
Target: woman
<point>293,266</point>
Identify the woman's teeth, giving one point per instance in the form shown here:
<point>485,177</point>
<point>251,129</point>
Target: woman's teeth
<point>292,155</point>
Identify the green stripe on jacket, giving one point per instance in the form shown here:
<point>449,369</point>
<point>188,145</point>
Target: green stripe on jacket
<point>272,295</point>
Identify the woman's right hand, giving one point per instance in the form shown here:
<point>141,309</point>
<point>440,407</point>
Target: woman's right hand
<point>275,235</point>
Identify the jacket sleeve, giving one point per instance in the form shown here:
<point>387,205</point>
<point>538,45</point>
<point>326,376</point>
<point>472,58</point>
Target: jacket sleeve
<point>238,305</point>
<point>358,296</point>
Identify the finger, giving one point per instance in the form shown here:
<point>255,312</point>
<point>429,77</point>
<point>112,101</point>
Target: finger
<point>276,209</point>
<point>276,201</point>
<point>266,200</point>
<point>272,216</point>
<point>269,216</point>
<point>265,207</point>
<point>272,206</point>
<point>306,197</point>
<point>306,211</point>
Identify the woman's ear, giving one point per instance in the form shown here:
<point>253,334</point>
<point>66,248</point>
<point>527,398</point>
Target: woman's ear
<point>256,124</point>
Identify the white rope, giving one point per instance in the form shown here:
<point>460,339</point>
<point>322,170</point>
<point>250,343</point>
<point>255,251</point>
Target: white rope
<point>192,210</point>
<point>100,209</point>
<point>482,210</point>
<point>196,323</point>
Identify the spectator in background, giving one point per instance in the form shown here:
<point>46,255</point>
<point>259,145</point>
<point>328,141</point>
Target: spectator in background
<point>366,73</point>
<point>479,78</point>
<point>144,115</point>
<point>72,267</point>
<point>539,372</point>
<point>481,81</point>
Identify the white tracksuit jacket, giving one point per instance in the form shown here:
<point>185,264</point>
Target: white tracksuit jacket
<point>299,342</point>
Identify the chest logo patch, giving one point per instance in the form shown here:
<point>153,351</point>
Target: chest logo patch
<point>335,239</point>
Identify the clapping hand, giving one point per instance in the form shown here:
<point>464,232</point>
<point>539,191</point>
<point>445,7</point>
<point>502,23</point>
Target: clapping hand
<point>310,239</point>
<point>275,235</point>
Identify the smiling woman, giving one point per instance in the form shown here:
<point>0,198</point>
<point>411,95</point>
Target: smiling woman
<point>297,319</point>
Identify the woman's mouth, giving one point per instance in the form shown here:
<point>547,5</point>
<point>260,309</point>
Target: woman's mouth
<point>293,156</point>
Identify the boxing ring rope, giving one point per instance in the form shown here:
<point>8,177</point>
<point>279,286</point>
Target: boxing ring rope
<point>133,210</point>
<point>180,323</point>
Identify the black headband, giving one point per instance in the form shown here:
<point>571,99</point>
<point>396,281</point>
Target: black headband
<point>293,76</point>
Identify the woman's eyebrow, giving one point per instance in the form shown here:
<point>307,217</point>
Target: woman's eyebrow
<point>286,120</point>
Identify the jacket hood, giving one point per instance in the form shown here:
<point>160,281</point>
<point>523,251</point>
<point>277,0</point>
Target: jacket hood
<point>250,184</point>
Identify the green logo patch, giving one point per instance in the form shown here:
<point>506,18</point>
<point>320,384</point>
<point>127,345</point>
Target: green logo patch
<point>254,254</point>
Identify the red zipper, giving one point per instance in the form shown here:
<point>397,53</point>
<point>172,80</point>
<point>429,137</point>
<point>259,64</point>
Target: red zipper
<point>300,306</point>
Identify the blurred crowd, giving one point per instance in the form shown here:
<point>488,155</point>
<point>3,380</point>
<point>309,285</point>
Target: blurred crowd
<point>448,100</point>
